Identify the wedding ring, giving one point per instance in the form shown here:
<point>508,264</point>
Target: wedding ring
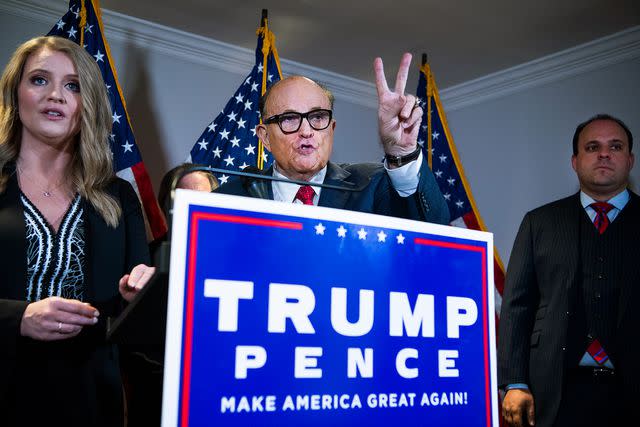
<point>59,327</point>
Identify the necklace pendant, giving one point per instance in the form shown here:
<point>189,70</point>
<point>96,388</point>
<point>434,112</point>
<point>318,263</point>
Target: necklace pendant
<point>46,194</point>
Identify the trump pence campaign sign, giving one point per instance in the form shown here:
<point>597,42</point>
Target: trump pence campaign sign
<point>291,315</point>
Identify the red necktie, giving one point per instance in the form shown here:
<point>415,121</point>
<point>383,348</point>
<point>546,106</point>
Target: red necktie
<point>601,221</point>
<point>305,194</point>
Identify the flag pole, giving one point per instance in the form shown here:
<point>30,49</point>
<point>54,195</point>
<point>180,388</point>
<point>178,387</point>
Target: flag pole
<point>427,75</point>
<point>265,15</point>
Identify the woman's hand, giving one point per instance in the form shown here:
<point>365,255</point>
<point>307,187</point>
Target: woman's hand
<point>130,284</point>
<point>56,318</point>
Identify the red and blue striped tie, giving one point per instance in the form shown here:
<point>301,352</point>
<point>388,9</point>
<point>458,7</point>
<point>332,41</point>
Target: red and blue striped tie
<point>601,221</point>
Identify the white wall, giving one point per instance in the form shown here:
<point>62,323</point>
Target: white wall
<point>512,129</point>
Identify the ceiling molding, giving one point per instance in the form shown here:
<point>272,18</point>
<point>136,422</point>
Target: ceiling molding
<point>599,53</point>
<point>193,48</point>
<point>619,47</point>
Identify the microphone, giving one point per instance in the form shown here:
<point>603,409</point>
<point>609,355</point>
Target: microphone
<point>251,176</point>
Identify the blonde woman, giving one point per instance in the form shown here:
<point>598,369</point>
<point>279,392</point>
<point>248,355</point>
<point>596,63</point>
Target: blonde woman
<point>72,241</point>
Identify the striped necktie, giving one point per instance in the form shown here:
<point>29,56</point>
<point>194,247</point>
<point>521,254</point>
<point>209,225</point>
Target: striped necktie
<point>601,221</point>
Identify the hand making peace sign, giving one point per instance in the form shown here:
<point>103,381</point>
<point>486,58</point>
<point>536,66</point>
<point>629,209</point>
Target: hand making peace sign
<point>399,114</point>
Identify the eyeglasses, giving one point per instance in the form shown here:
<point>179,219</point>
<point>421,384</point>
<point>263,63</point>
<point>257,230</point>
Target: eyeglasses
<point>291,121</point>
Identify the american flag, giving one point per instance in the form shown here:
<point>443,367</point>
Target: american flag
<point>83,25</point>
<point>230,141</point>
<point>438,147</point>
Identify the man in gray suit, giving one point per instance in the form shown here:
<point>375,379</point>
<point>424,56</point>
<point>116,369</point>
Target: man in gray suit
<point>298,129</point>
<point>569,340</point>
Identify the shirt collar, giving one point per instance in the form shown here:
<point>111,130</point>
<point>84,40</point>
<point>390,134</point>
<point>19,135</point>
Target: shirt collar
<point>619,201</point>
<point>286,192</point>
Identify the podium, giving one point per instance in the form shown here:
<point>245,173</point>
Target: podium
<point>287,315</point>
<point>142,324</point>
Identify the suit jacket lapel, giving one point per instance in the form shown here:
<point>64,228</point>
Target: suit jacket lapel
<point>632,211</point>
<point>335,198</point>
<point>569,231</point>
<point>261,188</point>
<point>12,253</point>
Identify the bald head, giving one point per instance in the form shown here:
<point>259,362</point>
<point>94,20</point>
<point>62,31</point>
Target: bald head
<point>265,112</point>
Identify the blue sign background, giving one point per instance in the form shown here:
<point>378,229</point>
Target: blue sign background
<point>265,254</point>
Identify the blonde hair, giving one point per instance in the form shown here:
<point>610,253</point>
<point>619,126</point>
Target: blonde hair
<point>92,163</point>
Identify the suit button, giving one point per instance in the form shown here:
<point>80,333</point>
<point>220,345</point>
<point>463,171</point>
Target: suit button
<point>597,295</point>
<point>600,259</point>
<point>564,348</point>
<point>600,276</point>
<point>568,313</point>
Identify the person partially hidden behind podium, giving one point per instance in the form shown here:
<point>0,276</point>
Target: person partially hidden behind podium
<point>569,339</point>
<point>297,129</point>
<point>72,241</point>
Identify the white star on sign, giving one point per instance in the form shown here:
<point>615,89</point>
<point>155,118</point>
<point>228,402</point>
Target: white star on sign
<point>99,56</point>
<point>224,179</point>
<point>382,237</point>
<point>254,87</point>
<point>127,147</point>
<point>400,239</point>
<point>203,144</point>
<point>241,123</point>
<point>362,235</point>
<point>72,32</point>
<point>88,29</point>
<point>239,99</point>
<point>60,24</point>
<point>270,77</point>
<point>235,142</point>
<point>243,166</point>
<point>435,135</point>
<point>116,117</point>
<point>447,196</point>
<point>224,134</point>
<point>260,67</point>
<point>212,127</point>
<point>438,173</point>
<point>451,181</point>
<point>232,116</point>
<point>253,131</point>
<point>229,160</point>
<point>247,105</point>
<point>250,149</point>
<point>264,157</point>
<point>320,229</point>
<point>459,203</point>
<point>342,232</point>
<point>216,152</point>
<point>443,158</point>
<point>248,80</point>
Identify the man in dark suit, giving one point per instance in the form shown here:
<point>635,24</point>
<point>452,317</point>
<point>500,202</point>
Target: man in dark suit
<point>569,340</point>
<point>298,129</point>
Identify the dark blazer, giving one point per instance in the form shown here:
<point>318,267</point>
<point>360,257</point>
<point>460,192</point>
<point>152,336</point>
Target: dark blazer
<point>375,192</point>
<point>75,381</point>
<point>540,296</point>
